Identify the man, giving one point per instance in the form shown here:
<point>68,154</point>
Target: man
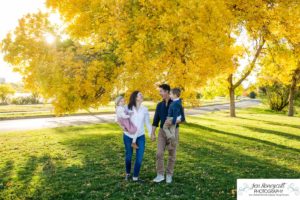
<point>160,117</point>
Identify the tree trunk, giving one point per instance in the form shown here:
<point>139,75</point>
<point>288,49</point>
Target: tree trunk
<point>233,86</point>
<point>232,102</point>
<point>292,95</point>
<point>231,96</point>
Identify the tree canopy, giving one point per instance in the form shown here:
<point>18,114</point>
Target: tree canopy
<point>120,46</point>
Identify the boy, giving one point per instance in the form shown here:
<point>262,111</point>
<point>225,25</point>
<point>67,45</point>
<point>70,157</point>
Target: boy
<point>174,114</point>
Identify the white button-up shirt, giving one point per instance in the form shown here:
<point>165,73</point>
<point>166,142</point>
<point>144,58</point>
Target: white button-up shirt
<point>140,118</point>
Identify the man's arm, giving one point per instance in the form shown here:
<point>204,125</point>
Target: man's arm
<point>155,123</point>
<point>153,133</point>
<point>156,118</point>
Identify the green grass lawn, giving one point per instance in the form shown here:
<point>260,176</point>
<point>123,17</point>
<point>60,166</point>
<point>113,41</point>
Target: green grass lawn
<point>87,162</point>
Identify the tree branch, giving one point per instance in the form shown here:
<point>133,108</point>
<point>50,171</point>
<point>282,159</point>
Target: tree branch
<point>252,65</point>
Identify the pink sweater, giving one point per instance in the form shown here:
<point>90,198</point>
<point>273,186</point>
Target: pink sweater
<point>123,118</point>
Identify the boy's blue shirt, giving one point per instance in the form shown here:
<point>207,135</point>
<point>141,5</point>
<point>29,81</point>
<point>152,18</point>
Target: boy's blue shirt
<point>161,113</point>
<point>175,110</point>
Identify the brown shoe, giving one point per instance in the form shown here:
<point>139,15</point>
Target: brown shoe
<point>133,145</point>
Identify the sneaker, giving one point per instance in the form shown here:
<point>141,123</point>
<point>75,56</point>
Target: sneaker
<point>127,176</point>
<point>137,180</point>
<point>159,178</point>
<point>169,179</point>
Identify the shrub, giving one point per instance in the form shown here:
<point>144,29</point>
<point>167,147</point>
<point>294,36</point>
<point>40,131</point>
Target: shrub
<point>26,100</point>
<point>252,95</point>
<point>277,95</point>
<point>5,91</point>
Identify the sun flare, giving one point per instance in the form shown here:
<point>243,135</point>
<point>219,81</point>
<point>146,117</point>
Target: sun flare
<point>49,38</point>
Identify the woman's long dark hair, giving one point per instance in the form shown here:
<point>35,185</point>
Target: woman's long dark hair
<point>132,100</point>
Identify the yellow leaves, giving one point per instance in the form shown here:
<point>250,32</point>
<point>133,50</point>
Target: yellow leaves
<point>126,45</point>
<point>160,35</point>
<point>279,64</point>
<point>72,75</point>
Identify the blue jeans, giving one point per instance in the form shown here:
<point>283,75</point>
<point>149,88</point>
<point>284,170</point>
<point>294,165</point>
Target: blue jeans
<point>140,141</point>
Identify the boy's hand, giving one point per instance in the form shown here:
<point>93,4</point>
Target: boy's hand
<point>168,123</point>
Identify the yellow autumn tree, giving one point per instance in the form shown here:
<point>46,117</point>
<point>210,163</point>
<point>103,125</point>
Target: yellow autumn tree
<point>74,76</point>
<point>259,18</point>
<point>282,61</point>
<point>119,45</point>
<point>253,22</point>
<point>179,42</point>
<point>289,24</point>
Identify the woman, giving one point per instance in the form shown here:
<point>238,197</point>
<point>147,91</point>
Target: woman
<point>139,117</point>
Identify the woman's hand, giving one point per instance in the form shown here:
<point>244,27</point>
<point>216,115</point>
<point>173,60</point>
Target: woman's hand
<point>130,112</point>
<point>153,137</point>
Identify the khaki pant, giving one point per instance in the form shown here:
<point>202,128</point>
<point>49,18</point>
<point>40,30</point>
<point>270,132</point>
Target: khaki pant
<point>161,146</point>
<point>169,130</point>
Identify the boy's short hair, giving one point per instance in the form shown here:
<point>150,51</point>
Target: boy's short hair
<point>165,87</point>
<point>176,91</point>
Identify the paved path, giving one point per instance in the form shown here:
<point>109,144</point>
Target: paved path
<point>51,122</point>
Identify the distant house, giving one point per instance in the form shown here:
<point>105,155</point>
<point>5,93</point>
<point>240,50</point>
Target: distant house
<point>2,80</point>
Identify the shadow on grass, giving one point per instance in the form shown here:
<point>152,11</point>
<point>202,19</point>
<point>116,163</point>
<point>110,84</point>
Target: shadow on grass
<point>6,173</point>
<point>216,168</point>
<point>204,170</point>
<point>100,173</point>
<point>26,174</point>
<point>272,122</point>
<point>193,125</point>
<point>279,133</point>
